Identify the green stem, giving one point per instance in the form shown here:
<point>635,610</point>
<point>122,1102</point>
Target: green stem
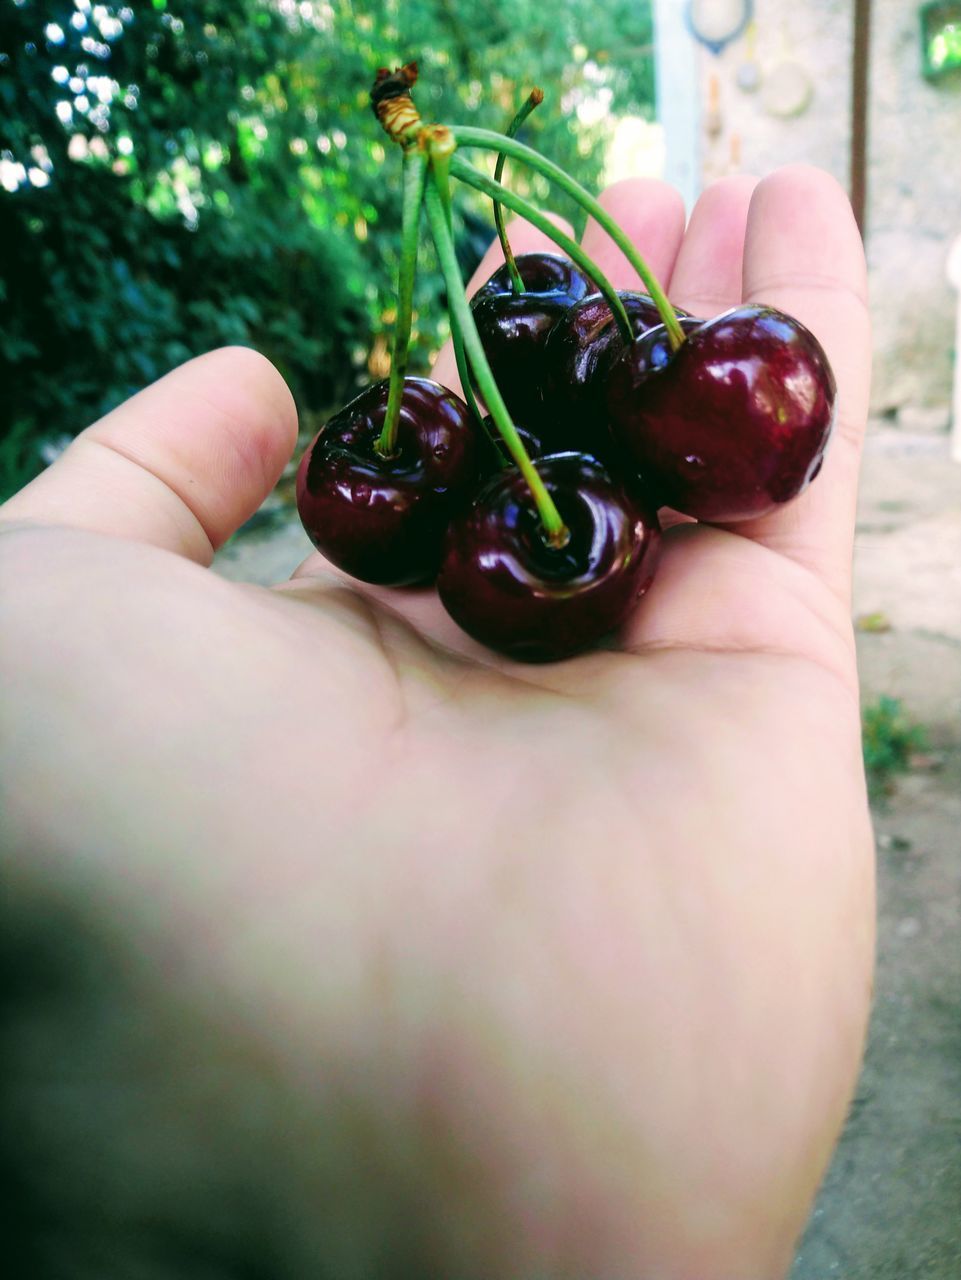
<point>533,99</point>
<point>467,383</point>
<point>415,181</point>
<point>460,356</point>
<point>486,139</point>
<point>480,181</point>
<point>464,373</point>
<point>437,199</point>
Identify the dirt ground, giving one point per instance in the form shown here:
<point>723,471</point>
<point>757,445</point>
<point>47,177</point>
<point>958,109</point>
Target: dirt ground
<point>890,1207</point>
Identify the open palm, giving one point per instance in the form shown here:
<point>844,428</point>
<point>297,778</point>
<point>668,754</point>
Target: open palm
<point>585,949</point>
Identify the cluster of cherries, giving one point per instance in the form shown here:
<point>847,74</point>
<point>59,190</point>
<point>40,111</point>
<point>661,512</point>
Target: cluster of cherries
<point>538,524</point>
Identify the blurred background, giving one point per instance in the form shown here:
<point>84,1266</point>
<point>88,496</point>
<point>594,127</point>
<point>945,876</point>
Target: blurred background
<point>180,174</point>
<point>175,175</point>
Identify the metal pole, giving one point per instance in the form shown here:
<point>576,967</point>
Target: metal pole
<point>859,109</point>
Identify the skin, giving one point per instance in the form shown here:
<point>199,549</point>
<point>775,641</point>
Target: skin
<point>560,970</point>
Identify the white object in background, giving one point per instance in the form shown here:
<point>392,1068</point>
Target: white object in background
<point>954,275</point>
<point>678,98</point>
<point>748,75</point>
<point>715,23</point>
<point>787,88</point>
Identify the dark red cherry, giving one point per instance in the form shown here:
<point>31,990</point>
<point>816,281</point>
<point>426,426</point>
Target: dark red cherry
<point>656,350</point>
<point>578,356</point>
<point>383,519</point>
<point>514,326</point>
<point>508,588</point>
<point>495,454</point>
<point>735,422</point>
<point>541,273</point>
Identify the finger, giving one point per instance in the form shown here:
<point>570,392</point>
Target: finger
<point>523,238</point>
<point>181,465</point>
<point>708,270</point>
<point>651,214</point>
<point>803,255</point>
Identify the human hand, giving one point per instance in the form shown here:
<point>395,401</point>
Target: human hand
<point>554,970</point>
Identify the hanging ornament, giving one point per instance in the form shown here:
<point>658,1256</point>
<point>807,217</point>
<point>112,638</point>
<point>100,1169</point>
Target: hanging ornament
<point>748,74</point>
<point>715,23</point>
<point>734,157</point>
<point>788,88</point>
<point>713,121</point>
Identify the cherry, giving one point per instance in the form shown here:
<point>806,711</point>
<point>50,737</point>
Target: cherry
<point>541,273</point>
<point>383,519</point>
<point>733,423</point>
<point>513,327</point>
<point>580,350</point>
<point>656,350</point>
<point>503,583</point>
<point>495,453</point>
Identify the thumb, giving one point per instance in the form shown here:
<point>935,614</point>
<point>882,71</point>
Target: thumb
<point>181,465</point>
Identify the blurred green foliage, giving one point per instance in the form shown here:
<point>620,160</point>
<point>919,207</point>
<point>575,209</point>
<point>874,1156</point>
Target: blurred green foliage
<point>889,739</point>
<point>178,174</point>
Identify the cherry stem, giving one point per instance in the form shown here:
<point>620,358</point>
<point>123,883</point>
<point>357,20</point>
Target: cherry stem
<point>415,182</point>
<point>464,373</point>
<point>481,182</point>
<point>463,367</point>
<point>437,202</point>
<point>533,99</point>
<point>487,140</point>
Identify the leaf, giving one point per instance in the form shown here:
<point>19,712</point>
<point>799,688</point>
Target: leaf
<point>872,622</point>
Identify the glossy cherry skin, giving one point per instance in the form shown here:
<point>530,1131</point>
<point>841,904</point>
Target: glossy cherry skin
<point>513,327</point>
<point>541,273</point>
<point>383,520</point>
<point>505,586</point>
<point>580,350</point>
<point>656,350</point>
<point>494,453</point>
<point>734,423</point>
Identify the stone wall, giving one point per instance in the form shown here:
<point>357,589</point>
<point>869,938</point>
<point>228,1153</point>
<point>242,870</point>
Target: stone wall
<point>914,213</point>
<point>914,168</point>
<point>814,36</point>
